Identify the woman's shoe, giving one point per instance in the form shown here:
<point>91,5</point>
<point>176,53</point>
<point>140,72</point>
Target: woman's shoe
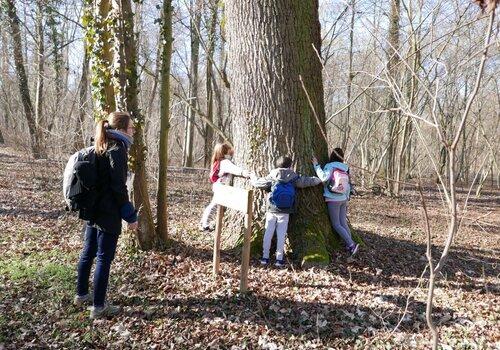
<point>82,300</point>
<point>105,311</point>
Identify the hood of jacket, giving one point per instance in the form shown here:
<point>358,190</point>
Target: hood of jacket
<point>338,165</point>
<point>283,175</point>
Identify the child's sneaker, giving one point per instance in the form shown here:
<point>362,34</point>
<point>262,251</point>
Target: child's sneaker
<point>280,263</point>
<point>264,261</point>
<point>82,300</point>
<point>354,249</point>
<point>208,228</point>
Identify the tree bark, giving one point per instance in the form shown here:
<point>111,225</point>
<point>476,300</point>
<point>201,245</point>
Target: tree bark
<point>138,151</point>
<point>166,56</point>
<point>347,127</point>
<point>393,61</point>
<point>99,38</point>
<point>15,31</point>
<point>193,82</point>
<point>82,96</point>
<point>271,46</point>
<point>40,59</point>
<point>209,133</point>
<point>57,39</point>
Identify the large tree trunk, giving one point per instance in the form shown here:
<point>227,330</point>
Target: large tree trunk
<point>146,230</point>
<point>193,82</point>
<point>166,34</point>
<point>271,46</point>
<point>15,31</point>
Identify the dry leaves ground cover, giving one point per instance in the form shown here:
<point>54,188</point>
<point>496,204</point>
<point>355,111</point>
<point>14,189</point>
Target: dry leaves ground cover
<point>171,300</point>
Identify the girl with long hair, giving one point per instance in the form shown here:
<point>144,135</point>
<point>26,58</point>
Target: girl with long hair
<point>113,138</point>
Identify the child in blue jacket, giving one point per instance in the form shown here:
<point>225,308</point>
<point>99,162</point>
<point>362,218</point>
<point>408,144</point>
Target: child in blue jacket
<point>281,184</point>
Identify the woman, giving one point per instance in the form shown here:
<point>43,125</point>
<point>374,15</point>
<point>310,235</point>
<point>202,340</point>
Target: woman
<point>337,200</point>
<point>113,138</point>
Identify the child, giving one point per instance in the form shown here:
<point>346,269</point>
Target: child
<point>281,182</point>
<point>222,171</point>
<point>335,177</point>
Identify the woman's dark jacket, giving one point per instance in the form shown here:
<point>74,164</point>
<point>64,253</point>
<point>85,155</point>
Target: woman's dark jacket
<point>113,203</point>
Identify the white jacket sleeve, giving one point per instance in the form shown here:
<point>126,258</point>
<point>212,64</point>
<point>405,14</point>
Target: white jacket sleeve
<point>228,167</point>
<point>324,175</point>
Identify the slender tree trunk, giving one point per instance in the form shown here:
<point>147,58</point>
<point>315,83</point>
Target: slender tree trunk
<point>393,72</point>
<point>40,58</point>
<point>15,31</point>
<point>404,152</point>
<point>209,133</point>
<point>82,97</point>
<point>193,82</point>
<point>271,47</point>
<point>347,126</point>
<point>99,37</point>
<point>166,56</point>
<point>56,39</point>
<point>125,24</point>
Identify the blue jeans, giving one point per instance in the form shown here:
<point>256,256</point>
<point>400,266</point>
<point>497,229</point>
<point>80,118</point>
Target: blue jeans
<point>338,218</point>
<point>102,245</point>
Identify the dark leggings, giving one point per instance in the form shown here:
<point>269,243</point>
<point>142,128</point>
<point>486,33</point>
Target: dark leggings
<point>102,245</point>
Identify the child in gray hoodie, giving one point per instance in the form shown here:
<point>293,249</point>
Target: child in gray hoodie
<point>281,184</point>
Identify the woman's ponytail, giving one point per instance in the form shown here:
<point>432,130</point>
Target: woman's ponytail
<point>116,120</point>
<point>100,139</point>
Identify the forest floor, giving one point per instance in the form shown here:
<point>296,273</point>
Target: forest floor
<point>171,300</point>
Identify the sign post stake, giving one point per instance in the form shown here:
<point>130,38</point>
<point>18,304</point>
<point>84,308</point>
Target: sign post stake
<point>241,200</point>
<point>217,240</point>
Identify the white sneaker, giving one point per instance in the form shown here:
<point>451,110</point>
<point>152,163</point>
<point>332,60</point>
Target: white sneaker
<point>354,249</point>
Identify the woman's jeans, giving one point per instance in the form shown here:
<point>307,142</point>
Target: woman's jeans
<point>338,218</point>
<point>102,245</point>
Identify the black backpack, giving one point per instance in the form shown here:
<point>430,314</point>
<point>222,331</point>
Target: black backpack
<point>80,184</point>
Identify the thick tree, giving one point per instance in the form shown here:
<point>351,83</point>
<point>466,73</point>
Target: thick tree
<point>273,44</point>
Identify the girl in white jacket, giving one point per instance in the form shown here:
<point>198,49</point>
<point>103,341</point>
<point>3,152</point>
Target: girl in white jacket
<point>221,172</point>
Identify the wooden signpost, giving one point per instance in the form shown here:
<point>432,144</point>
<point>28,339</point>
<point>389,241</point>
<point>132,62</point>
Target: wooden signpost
<point>241,200</point>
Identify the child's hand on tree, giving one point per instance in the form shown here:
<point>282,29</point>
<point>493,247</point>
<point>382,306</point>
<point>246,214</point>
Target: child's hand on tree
<point>314,160</point>
<point>132,226</point>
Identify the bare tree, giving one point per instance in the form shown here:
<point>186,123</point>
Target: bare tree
<point>166,56</point>
<point>37,145</point>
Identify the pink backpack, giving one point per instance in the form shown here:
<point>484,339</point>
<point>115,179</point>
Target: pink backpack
<point>339,182</point>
